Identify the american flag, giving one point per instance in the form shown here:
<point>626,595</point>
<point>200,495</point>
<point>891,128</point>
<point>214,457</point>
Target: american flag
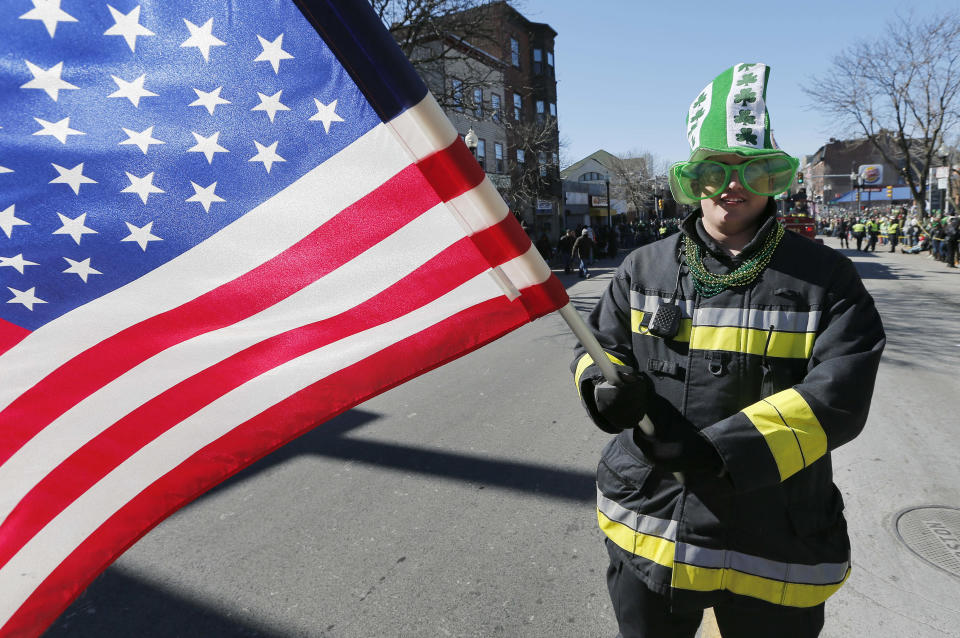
<point>221,223</point>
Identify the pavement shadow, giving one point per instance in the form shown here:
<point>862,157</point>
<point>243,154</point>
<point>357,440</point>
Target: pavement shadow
<point>117,604</point>
<point>876,270</point>
<point>328,440</point>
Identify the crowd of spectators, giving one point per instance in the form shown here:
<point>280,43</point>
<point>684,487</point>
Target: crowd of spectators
<point>606,242</point>
<point>937,234</point>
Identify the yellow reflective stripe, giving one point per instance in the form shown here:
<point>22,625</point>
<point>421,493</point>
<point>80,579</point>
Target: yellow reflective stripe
<point>773,591</point>
<point>787,345</point>
<point>586,361</point>
<point>636,316</point>
<point>791,430</point>
<point>653,548</point>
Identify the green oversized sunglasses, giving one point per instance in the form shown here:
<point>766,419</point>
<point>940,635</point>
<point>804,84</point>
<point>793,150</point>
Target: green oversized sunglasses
<point>708,178</point>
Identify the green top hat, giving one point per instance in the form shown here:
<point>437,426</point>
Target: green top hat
<point>730,115</point>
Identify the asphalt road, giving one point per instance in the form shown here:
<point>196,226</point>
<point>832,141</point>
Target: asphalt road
<point>461,503</point>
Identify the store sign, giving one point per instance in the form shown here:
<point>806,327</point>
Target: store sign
<point>544,205</point>
<point>576,198</point>
<point>871,173</point>
<point>598,201</point>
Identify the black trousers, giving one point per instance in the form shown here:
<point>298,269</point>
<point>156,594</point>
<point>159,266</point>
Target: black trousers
<point>642,613</point>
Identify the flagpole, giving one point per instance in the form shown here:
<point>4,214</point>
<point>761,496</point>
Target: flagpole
<point>596,352</point>
<point>599,356</point>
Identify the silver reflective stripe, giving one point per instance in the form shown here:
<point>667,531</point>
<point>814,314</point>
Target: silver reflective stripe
<point>642,523</point>
<point>822,574</point>
<point>649,303</point>
<point>781,320</point>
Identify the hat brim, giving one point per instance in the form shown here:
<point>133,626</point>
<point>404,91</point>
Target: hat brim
<point>702,152</point>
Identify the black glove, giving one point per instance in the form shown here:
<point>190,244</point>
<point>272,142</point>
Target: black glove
<point>678,448</point>
<point>615,408</point>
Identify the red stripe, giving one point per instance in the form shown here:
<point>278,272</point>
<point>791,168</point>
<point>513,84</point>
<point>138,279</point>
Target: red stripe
<point>83,469</point>
<point>506,238</point>
<point>447,340</point>
<point>545,298</point>
<point>10,335</point>
<point>452,171</point>
<point>355,229</point>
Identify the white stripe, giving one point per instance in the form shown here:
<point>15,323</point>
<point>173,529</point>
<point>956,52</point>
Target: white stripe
<point>261,234</point>
<point>45,551</point>
<point>527,270</point>
<point>781,320</point>
<point>480,207</point>
<point>756,109</point>
<point>650,303</point>
<point>424,128</point>
<point>363,277</point>
<point>693,134</point>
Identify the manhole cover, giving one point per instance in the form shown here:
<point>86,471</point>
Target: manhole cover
<point>933,534</point>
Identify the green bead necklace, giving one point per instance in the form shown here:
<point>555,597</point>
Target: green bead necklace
<point>709,284</point>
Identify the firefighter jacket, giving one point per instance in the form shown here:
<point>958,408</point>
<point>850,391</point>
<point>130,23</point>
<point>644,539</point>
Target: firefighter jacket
<point>775,375</point>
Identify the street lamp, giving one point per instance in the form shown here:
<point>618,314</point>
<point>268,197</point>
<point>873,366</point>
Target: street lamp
<point>944,153</point>
<point>856,180</point>
<point>609,220</point>
<point>471,140</point>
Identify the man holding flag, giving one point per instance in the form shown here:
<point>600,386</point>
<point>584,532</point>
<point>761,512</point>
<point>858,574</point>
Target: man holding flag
<point>753,351</point>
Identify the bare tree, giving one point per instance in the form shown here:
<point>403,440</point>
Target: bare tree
<point>433,34</point>
<point>900,90</point>
<point>534,177</point>
<point>639,179</point>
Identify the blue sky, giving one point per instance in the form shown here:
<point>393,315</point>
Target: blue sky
<point>628,69</point>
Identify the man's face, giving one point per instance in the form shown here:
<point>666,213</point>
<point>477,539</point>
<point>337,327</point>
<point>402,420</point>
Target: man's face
<point>735,209</point>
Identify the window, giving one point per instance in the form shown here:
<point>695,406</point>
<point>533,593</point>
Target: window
<point>521,156</point>
<point>457,93</point>
<point>539,110</point>
<point>482,153</point>
<point>553,109</point>
<point>498,154</point>
<point>591,177</point>
<point>478,103</point>
<point>538,61</point>
<point>517,105</point>
<point>515,52</point>
<point>495,107</point>
<point>542,160</point>
<point>549,58</point>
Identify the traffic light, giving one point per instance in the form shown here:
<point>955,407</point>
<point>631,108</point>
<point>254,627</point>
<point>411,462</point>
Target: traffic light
<point>799,177</point>
<point>890,192</point>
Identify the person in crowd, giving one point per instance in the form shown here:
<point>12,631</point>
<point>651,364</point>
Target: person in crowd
<point>728,501</point>
<point>859,231</point>
<point>937,234</point>
<point>951,235</point>
<point>873,232</point>
<point>581,250</point>
<point>565,249</point>
<point>543,246</point>
<point>843,229</point>
<point>893,233</point>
